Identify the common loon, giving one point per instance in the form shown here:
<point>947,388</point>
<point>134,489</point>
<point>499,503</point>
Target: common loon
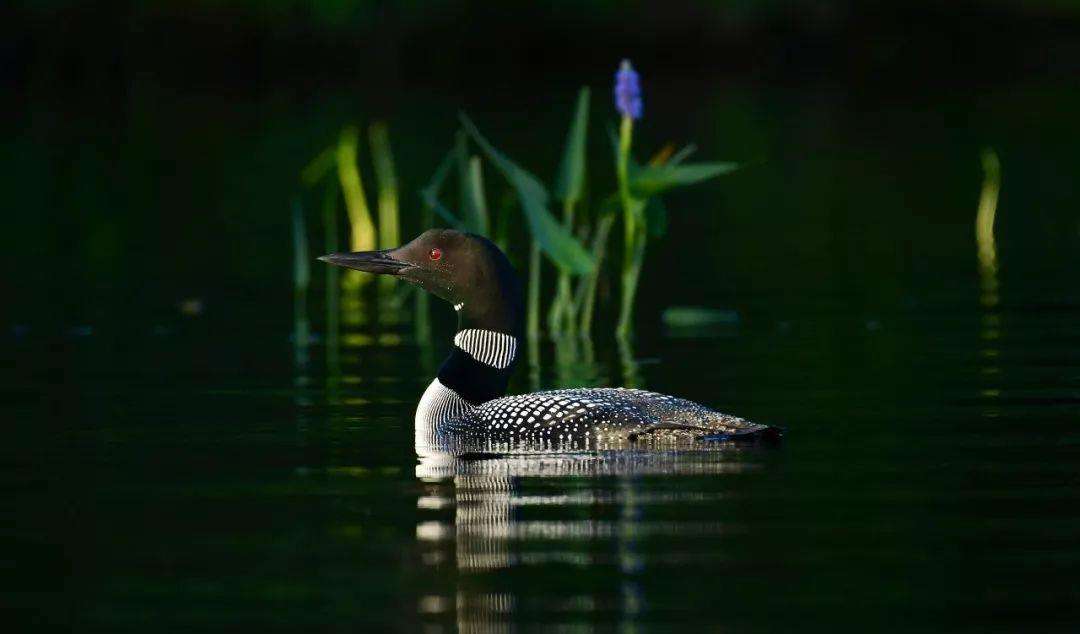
<point>465,405</point>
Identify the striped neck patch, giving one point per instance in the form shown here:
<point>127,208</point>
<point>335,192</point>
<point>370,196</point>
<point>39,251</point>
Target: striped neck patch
<point>488,347</point>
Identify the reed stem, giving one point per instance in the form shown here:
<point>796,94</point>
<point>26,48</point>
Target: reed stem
<point>382,158</point>
<point>984,228</point>
<point>532,324</point>
<point>389,236</point>
<point>422,316</point>
<point>586,298</point>
<point>561,315</point>
<point>301,281</point>
<point>634,231</point>
<point>362,228</point>
<point>333,307</point>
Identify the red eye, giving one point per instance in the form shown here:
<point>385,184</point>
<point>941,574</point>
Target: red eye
<point>435,253</point>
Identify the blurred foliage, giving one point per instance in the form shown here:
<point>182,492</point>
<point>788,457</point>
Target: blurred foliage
<point>555,239</point>
<point>183,196</point>
<point>130,180</point>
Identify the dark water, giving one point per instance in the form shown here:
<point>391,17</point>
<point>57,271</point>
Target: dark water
<point>175,460</point>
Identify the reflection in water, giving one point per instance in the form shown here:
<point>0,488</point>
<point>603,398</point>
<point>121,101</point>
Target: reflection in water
<point>333,293</point>
<point>559,505</point>
<point>301,281</point>
<point>582,511</point>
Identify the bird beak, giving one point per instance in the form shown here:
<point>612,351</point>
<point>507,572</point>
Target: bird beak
<point>368,261</point>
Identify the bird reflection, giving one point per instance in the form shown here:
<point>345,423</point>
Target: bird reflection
<point>501,512</point>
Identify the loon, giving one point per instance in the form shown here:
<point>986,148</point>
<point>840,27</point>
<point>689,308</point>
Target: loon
<point>465,405</point>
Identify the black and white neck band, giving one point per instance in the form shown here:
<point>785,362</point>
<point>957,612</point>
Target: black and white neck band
<point>488,347</point>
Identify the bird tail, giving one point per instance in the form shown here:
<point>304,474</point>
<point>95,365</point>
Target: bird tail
<point>766,434</point>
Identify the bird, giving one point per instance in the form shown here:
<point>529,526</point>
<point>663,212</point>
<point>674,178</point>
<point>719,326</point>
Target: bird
<point>465,408</point>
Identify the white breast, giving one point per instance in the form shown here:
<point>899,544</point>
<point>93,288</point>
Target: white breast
<point>438,404</point>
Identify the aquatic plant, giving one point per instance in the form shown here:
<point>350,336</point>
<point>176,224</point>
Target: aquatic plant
<point>585,297</point>
<point>333,304</point>
<point>984,227</point>
<point>570,188</point>
<point>382,159</point>
<point>560,245</point>
<point>362,228</point>
<point>637,194</point>
<point>639,185</point>
<point>342,159</point>
<point>389,229</point>
<point>301,281</point>
<point>473,202</point>
<point>547,234</point>
<point>563,240</point>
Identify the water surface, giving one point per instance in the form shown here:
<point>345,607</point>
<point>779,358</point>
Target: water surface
<point>175,459</point>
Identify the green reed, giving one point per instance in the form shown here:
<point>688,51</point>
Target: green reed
<point>640,185</point>
<point>342,160</point>
<point>301,282</point>
<point>362,227</point>
<point>575,242</point>
<point>570,188</point>
<point>382,158</point>
<point>333,274</point>
<point>547,234</point>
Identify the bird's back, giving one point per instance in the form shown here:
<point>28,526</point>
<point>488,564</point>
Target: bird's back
<point>593,418</point>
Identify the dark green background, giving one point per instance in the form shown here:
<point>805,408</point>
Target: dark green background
<point>170,469</point>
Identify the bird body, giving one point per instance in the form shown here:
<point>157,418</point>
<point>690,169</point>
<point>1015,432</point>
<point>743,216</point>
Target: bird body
<point>591,418</point>
<point>464,407</point>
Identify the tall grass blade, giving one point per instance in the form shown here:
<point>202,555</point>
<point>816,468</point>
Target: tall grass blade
<point>634,226</point>
<point>987,213</point>
<point>475,201</point>
<point>362,228</point>
<point>562,315</point>
<point>429,195</point>
<point>333,307</point>
<point>633,259</point>
<point>984,228</point>
<point>625,167</point>
<point>301,281</point>
<point>389,233</point>
<point>382,158</point>
<point>473,205</point>
<point>630,366</point>
<point>470,202</point>
<point>570,187</point>
<point>532,302</point>
<point>504,213</point>
<point>570,183</point>
<point>586,291</point>
<point>559,244</point>
<point>319,167</point>
<point>301,265</point>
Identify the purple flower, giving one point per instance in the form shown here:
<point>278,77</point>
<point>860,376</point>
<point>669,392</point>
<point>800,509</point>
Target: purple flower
<point>628,91</point>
